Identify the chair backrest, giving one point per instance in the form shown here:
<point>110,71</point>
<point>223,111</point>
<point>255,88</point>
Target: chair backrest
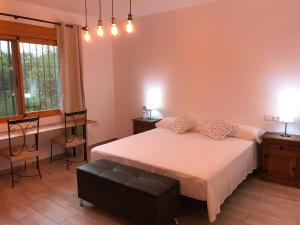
<point>75,125</point>
<point>28,130</point>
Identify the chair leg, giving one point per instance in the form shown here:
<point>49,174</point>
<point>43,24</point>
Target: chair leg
<point>74,152</point>
<point>51,154</point>
<point>12,175</point>
<point>25,165</point>
<point>38,166</point>
<point>67,155</point>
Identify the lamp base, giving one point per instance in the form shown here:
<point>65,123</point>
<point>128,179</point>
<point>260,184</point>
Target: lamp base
<point>285,131</point>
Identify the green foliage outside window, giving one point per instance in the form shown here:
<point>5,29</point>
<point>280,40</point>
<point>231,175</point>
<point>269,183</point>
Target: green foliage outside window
<point>40,78</point>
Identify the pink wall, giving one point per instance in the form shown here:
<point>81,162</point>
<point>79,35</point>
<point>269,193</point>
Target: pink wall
<point>229,59</point>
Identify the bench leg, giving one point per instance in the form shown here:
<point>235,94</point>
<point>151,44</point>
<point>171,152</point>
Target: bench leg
<point>176,220</point>
<point>81,203</point>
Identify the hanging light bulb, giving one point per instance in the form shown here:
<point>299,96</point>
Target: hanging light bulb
<point>129,26</point>
<point>100,31</point>
<point>87,36</point>
<point>114,29</point>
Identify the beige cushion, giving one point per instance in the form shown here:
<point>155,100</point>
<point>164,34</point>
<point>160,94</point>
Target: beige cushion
<point>218,129</point>
<point>182,124</point>
<point>73,141</point>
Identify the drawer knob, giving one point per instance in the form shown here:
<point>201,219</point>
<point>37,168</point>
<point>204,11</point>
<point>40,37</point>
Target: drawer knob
<point>293,169</point>
<point>281,147</point>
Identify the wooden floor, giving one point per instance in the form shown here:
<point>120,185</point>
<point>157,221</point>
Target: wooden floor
<point>52,200</point>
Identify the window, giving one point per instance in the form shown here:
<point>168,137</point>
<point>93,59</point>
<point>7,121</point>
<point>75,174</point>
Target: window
<point>7,81</point>
<point>40,76</point>
<point>29,82</point>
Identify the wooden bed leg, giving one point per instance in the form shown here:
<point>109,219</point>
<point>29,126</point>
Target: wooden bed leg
<point>176,220</point>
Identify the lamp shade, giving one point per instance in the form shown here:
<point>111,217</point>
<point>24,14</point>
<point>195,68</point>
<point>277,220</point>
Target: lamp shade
<point>288,106</point>
<point>287,119</point>
<point>153,98</point>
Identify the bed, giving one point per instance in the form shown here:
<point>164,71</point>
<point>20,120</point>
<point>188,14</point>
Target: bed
<point>208,170</point>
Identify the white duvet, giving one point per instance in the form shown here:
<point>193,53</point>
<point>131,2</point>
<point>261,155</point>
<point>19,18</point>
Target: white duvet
<point>208,170</point>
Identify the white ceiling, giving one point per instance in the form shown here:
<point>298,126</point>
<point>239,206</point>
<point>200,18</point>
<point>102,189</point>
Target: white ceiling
<point>139,7</point>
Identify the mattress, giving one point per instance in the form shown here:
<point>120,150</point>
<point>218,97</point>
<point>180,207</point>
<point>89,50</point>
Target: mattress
<point>207,169</point>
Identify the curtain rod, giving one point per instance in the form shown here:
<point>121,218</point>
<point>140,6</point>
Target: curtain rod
<point>34,19</point>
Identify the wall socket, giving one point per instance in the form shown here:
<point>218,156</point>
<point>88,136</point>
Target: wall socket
<point>272,118</point>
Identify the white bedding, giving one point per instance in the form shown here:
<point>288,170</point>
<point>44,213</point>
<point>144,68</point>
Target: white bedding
<point>208,170</point>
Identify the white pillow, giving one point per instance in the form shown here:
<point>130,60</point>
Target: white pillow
<point>218,129</point>
<point>165,123</point>
<point>248,132</point>
<point>182,124</point>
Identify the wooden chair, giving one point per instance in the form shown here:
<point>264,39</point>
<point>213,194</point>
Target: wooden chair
<point>74,134</point>
<point>28,148</point>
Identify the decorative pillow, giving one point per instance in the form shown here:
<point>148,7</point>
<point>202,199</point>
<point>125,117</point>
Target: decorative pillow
<point>165,123</point>
<point>182,124</point>
<point>248,132</point>
<point>218,129</point>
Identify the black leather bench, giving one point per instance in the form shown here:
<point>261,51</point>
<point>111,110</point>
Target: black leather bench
<point>141,197</point>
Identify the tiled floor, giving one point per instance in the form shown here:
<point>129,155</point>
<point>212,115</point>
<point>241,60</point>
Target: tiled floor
<point>52,200</point>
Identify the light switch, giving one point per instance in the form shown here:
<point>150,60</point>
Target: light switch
<point>271,118</point>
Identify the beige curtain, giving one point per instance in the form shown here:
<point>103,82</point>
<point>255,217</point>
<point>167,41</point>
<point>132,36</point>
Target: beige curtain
<point>70,67</point>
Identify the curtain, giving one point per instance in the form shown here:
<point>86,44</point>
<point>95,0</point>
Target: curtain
<point>69,45</point>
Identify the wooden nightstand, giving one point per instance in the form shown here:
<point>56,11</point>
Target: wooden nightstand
<point>281,159</point>
<point>141,125</point>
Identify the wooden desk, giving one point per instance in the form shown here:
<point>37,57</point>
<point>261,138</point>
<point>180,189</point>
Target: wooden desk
<point>44,129</point>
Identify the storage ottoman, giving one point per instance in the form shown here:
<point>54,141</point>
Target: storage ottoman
<point>141,197</point>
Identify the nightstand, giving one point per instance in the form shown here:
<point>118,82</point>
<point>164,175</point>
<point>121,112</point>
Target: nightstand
<point>141,125</point>
<point>281,159</point>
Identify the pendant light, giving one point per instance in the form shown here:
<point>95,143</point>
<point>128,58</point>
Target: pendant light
<point>129,26</point>
<point>87,36</point>
<point>114,29</point>
<point>100,31</point>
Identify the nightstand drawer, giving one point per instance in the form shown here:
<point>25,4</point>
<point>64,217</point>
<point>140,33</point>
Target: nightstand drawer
<point>282,146</point>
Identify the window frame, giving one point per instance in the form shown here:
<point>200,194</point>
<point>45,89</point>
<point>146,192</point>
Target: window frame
<point>20,32</point>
